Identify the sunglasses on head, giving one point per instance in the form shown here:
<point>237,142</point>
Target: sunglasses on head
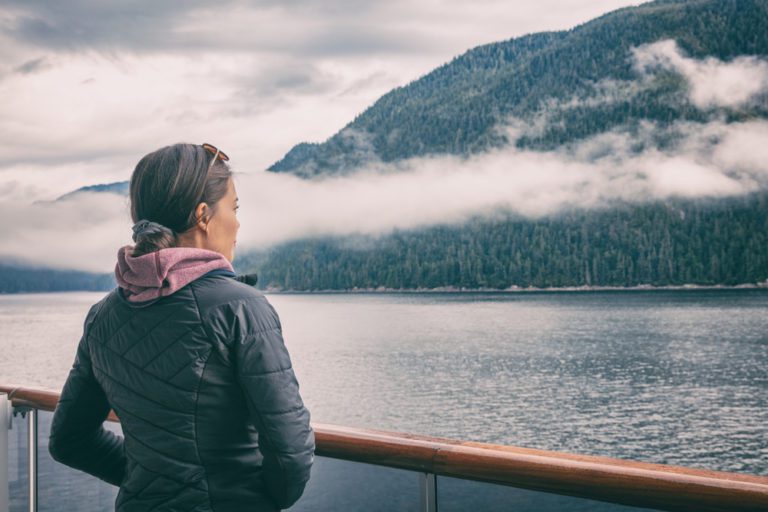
<point>216,152</point>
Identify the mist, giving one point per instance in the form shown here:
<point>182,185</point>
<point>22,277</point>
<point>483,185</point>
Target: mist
<point>449,190</point>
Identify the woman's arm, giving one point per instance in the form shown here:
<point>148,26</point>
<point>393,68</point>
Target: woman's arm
<point>78,437</point>
<point>286,438</point>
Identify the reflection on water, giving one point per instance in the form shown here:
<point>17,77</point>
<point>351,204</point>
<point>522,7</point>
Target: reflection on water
<point>675,377</point>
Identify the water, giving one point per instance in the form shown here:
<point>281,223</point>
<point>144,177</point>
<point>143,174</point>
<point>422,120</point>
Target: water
<point>676,377</point>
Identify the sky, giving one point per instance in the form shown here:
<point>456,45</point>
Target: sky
<point>90,88</point>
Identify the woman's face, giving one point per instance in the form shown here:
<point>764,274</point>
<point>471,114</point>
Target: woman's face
<point>223,224</point>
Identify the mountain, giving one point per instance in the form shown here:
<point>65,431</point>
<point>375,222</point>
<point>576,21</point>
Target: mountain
<point>118,187</point>
<point>20,278</point>
<point>554,82</point>
<point>458,107</point>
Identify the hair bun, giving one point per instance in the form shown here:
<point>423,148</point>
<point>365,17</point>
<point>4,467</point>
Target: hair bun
<point>147,228</point>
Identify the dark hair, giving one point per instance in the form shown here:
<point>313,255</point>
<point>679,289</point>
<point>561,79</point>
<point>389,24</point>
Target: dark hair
<point>166,187</point>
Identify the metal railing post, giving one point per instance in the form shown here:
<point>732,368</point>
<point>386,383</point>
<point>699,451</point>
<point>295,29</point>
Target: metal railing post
<point>32,458</point>
<point>428,492</point>
<point>5,424</point>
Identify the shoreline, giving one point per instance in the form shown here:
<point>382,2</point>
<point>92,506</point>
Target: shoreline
<point>523,290</point>
<point>763,285</point>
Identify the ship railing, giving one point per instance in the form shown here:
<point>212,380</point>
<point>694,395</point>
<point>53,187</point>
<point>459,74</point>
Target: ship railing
<point>364,469</point>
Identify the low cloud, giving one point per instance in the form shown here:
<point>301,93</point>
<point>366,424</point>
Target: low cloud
<point>713,82</point>
<point>82,233</point>
<point>710,160</point>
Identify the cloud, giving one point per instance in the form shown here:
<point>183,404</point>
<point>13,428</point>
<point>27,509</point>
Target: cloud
<point>279,79</point>
<point>306,27</point>
<point>84,24</point>
<point>81,233</point>
<point>31,66</point>
<point>374,79</point>
<point>709,161</point>
<point>94,123</point>
<point>713,83</point>
<point>595,173</point>
<point>13,191</point>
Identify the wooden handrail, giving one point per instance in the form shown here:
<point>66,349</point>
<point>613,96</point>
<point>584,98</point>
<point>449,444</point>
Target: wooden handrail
<point>599,478</point>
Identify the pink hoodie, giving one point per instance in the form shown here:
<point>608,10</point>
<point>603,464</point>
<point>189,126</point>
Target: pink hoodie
<point>163,272</point>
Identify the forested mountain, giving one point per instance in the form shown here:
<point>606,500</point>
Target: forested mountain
<point>570,85</point>
<point>704,242</point>
<point>458,107</point>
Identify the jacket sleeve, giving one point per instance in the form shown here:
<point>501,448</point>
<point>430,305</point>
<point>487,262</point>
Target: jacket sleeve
<point>78,437</point>
<point>286,439</point>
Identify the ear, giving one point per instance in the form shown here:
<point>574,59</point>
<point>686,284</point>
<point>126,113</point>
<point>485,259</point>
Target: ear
<point>202,215</point>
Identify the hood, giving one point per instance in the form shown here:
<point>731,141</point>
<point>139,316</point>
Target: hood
<point>163,272</point>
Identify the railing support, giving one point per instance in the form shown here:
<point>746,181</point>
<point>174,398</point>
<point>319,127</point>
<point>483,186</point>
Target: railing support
<point>428,492</point>
<point>32,458</point>
<point>5,424</point>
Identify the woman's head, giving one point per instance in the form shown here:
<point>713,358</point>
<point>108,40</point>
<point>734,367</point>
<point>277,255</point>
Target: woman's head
<point>189,195</point>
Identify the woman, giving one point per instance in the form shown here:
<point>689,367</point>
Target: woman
<point>191,360</point>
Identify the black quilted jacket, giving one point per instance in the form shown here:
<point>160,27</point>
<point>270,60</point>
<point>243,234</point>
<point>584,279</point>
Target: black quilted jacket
<point>208,402</point>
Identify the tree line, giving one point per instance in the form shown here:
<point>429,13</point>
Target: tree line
<point>702,242</point>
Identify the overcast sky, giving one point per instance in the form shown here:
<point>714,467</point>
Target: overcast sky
<point>90,86</point>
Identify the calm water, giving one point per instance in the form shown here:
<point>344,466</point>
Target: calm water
<point>675,377</point>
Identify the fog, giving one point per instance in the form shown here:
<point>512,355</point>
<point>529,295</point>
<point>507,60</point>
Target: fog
<point>449,190</point>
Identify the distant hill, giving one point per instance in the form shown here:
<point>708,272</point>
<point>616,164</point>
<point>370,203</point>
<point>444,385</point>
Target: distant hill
<point>18,278</point>
<point>118,187</point>
<point>457,108</point>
